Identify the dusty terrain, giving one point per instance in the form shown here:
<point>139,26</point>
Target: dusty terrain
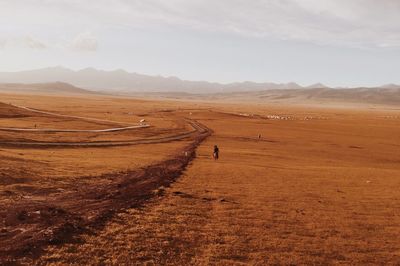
<point>319,187</point>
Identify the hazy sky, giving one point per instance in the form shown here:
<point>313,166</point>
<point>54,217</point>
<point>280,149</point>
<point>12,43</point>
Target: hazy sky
<point>337,42</point>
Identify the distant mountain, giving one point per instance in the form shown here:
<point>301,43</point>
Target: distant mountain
<point>175,88</point>
<point>317,86</point>
<point>390,86</point>
<point>53,87</point>
<point>55,79</point>
<point>320,95</point>
<point>125,82</point>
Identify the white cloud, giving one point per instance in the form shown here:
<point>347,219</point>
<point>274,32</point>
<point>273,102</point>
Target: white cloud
<point>2,44</point>
<point>22,42</point>
<point>84,42</point>
<point>32,43</point>
<point>352,23</point>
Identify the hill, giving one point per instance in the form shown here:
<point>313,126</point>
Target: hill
<point>53,87</point>
<point>10,111</point>
<point>389,96</point>
<point>121,81</point>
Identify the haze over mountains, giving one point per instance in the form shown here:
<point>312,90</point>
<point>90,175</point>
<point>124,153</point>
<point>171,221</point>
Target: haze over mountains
<point>51,87</point>
<point>386,96</point>
<point>90,80</point>
<point>125,82</point>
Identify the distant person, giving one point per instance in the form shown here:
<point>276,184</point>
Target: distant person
<point>216,152</point>
<point>259,136</point>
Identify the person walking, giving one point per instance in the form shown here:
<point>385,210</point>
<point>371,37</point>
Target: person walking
<point>216,152</point>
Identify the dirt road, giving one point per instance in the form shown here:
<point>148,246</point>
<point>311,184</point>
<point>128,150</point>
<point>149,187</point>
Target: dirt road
<point>197,129</point>
<point>113,129</point>
<point>67,116</point>
<point>40,216</point>
<point>33,222</point>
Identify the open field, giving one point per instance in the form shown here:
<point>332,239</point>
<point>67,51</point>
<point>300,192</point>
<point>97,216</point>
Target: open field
<point>319,187</point>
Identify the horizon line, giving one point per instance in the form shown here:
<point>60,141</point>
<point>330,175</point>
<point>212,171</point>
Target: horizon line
<point>323,85</point>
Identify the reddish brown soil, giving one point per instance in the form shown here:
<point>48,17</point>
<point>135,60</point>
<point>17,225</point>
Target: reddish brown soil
<point>30,224</point>
<point>320,188</point>
<point>56,214</point>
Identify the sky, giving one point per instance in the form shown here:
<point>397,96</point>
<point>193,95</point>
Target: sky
<point>336,42</point>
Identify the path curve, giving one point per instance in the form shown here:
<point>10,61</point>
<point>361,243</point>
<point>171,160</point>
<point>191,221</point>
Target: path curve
<point>197,130</point>
<point>72,130</point>
<point>71,116</point>
<point>131,126</point>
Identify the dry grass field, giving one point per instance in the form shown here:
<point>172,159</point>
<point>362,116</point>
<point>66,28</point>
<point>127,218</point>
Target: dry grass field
<point>320,187</point>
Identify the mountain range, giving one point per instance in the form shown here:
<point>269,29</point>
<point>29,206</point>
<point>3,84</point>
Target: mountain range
<point>121,81</point>
<point>125,82</point>
<point>51,87</point>
<point>90,80</point>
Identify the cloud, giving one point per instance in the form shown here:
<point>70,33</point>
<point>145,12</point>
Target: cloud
<point>2,44</point>
<point>32,43</point>
<point>84,42</point>
<point>355,23</point>
<point>22,42</point>
<point>352,23</point>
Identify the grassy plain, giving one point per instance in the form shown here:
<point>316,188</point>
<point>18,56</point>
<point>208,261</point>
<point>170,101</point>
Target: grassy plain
<point>319,187</point>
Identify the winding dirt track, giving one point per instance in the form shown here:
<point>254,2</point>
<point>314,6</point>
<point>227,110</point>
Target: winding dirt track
<point>197,128</point>
<point>69,116</point>
<point>72,130</point>
<point>114,129</point>
<point>39,222</point>
<point>42,219</point>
